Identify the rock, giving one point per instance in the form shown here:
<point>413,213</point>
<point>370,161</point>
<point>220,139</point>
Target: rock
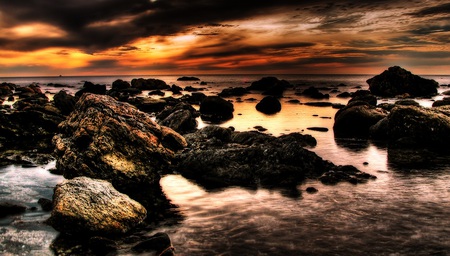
<point>235,91</point>
<point>119,84</point>
<point>195,98</point>
<point>209,135</point>
<point>364,95</point>
<point>6,89</point>
<point>215,109</point>
<point>148,105</point>
<point>270,86</point>
<point>46,204</point>
<point>251,159</point>
<point>157,92</point>
<point>149,84</point>
<point>30,127</point>
<point>407,103</point>
<point>355,120</point>
<point>444,102</point>
<point>175,89</point>
<point>337,106</point>
<point>348,173</point>
<point>425,127</point>
<point>93,207</point>
<point>398,81</point>
<point>159,243</point>
<point>102,245</point>
<point>311,190</point>
<point>344,95</point>
<point>319,104</point>
<point>314,93</point>
<point>293,101</point>
<point>114,141</point>
<point>192,89</point>
<point>318,129</point>
<point>89,87</point>
<point>269,105</point>
<point>9,208</point>
<point>64,102</point>
<point>188,78</point>
<point>181,118</point>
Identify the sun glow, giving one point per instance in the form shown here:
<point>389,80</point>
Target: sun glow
<point>37,30</point>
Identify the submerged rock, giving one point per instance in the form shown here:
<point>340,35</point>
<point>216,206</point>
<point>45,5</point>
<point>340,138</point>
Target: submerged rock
<point>397,81</point>
<point>93,207</point>
<point>114,141</point>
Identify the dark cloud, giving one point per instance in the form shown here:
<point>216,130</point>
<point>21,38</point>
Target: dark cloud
<point>434,10</point>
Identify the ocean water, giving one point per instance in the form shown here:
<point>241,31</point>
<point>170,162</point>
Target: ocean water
<point>402,212</point>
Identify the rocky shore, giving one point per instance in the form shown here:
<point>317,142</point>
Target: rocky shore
<point>113,152</point>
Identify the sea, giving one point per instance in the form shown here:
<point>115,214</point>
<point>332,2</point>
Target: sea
<point>405,211</point>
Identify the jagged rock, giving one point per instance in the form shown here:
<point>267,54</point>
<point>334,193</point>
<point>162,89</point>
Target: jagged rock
<point>398,81</point>
<point>111,140</point>
<point>215,109</point>
<point>269,105</point>
<point>181,118</point>
<point>90,87</point>
<point>93,207</point>
<point>249,159</point>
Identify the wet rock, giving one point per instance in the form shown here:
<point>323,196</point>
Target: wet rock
<point>444,102</point>
<point>175,89</point>
<point>270,86</point>
<point>429,127</point>
<point>159,243</point>
<point>195,98</point>
<point>345,173</point>
<point>355,120</point>
<point>149,84</point>
<point>398,81</point>
<point>318,129</point>
<point>9,208</point>
<point>314,93</point>
<point>89,87</point>
<point>312,190</point>
<point>157,92</point>
<point>251,159</point>
<point>6,89</point>
<point>188,78</point>
<point>64,102</point>
<point>120,84</point>
<point>365,96</point>
<point>181,118</point>
<point>407,103</point>
<point>102,245</point>
<point>344,95</point>
<point>215,109</point>
<point>148,105</point>
<point>46,204</point>
<point>269,105</point>
<point>235,91</point>
<point>114,141</point>
<point>93,207</point>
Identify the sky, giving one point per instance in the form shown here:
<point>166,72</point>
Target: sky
<point>160,37</point>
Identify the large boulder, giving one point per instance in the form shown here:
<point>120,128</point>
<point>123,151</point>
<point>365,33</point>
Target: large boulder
<point>93,207</point>
<point>398,81</point>
<point>355,120</point>
<point>114,141</point>
<point>219,157</point>
<point>269,105</point>
<point>429,127</point>
<point>89,87</point>
<point>215,109</point>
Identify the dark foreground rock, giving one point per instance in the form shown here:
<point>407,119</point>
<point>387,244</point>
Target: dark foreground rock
<point>222,157</point>
<point>181,118</point>
<point>114,141</point>
<point>398,81</point>
<point>93,207</point>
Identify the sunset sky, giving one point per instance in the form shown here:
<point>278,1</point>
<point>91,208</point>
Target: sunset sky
<point>117,37</point>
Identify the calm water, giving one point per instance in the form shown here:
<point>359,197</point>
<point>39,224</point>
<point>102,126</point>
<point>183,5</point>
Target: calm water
<point>403,212</point>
